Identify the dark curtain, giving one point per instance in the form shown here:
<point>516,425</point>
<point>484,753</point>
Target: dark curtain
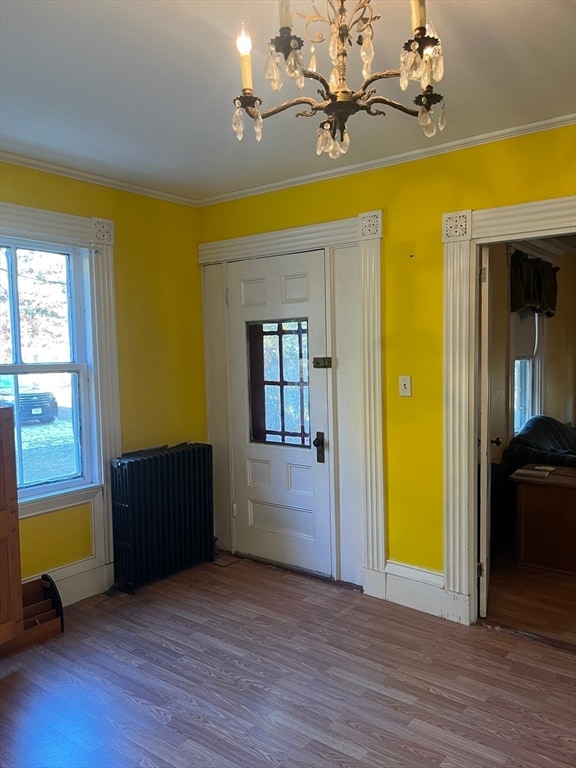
<point>533,285</point>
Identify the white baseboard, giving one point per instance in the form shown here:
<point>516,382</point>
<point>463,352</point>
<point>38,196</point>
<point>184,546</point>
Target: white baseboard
<point>417,588</point>
<point>80,580</point>
<point>402,584</point>
<point>374,583</point>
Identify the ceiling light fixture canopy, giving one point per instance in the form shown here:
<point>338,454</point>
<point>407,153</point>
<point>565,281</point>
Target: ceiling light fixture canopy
<point>420,60</point>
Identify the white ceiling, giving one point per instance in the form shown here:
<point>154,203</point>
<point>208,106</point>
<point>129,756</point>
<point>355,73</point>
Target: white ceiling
<point>139,92</point>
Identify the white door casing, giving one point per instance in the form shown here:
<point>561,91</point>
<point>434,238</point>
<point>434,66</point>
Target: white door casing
<point>485,431</point>
<point>353,248</point>
<point>281,497</point>
<point>463,233</point>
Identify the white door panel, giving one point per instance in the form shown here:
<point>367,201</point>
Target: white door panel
<point>276,306</point>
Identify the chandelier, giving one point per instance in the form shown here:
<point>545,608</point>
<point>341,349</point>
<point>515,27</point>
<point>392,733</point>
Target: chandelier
<point>420,60</point>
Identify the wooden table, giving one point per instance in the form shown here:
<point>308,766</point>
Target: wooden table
<point>546,519</point>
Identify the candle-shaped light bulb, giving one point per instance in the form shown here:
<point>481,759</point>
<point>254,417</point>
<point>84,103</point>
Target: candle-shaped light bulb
<point>418,13</point>
<point>244,41</point>
<point>244,45</point>
<point>284,13</point>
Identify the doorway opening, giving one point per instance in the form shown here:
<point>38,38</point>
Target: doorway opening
<point>530,371</point>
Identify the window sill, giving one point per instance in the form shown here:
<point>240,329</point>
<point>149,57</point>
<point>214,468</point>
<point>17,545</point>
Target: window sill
<point>52,502</point>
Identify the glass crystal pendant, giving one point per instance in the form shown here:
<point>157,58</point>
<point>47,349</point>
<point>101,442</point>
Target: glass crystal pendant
<point>324,141</point>
<point>312,66</point>
<point>272,71</point>
<point>336,150</point>
<point>294,66</point>
<point>423,117</point>
<point>333,49</point>
<point>334,77</point>
<point>442,118</point>
<point>367,56</point>
<point>258,123</point>
<point>238,122</point>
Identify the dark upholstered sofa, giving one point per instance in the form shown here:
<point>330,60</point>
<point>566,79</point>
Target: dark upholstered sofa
<point>542,440</point>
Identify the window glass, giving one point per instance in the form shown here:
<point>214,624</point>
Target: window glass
<point>47,425</point>
<point>6,350</point>
<point>44,370</point>
<point>44,306</point>
<point>528,342</point>
<point>523,393</point>
<point>279,395</point>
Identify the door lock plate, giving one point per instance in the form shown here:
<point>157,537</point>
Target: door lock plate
<point>318,443</point>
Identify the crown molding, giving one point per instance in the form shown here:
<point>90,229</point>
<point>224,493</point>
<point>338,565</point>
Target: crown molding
<point>420,154</point>
<point>405,157</point>
<point>94,178</point>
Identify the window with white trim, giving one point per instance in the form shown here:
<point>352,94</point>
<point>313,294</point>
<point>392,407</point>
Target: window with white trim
<point>56,322</point>
<point>527,344</point>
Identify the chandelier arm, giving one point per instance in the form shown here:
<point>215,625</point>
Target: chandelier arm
<point>383,75</point>
<point>361,7</point>
<point>320,107</point>
<point>312,103</point>
<point>367,105</point>
<point>315,76</point>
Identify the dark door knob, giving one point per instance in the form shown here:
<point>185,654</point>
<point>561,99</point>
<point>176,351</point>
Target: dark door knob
<point>318,443</point>
<point>498,441</point>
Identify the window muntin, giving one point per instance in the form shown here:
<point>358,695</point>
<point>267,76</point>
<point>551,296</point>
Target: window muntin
<point>278,384</point>
<point>45,363</point>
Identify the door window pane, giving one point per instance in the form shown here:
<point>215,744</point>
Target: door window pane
<point>278,386</point>
<point>271,357</point>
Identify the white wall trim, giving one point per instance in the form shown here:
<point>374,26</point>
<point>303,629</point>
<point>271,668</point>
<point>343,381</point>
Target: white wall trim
<point>282,241</point>
<point>375,546</point>
<point>413,573</point>
<point>416,588</point>
<point>97,235</point>
<point>461,377</point>
<point>39,224</point>
<point>383,162</point>
<point>365,233</point>
<point>47,504</point>
<point>80,580</point>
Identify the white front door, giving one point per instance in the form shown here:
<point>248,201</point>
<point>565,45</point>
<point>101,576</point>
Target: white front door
<point>279,407</point>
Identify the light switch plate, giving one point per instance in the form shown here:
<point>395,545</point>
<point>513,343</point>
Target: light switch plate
<point>405,383</point>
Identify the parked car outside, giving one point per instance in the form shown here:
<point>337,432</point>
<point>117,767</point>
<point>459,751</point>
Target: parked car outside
<point>33,403</point>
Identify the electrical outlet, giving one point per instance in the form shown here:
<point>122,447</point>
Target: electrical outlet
<point>405,386</point>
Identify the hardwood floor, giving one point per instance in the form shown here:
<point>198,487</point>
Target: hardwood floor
<point>249,666</point>
<point>533,600</point>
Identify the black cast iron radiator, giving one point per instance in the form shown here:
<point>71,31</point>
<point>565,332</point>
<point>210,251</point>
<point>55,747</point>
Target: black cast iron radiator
<point>162,507</point>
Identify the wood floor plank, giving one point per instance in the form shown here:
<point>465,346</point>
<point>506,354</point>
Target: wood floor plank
<point>533,600</point>
<point>251,666</point>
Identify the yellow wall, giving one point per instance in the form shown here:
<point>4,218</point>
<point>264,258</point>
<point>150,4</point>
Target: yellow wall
<point>159,319</point>
<point>158,294</point>
<point>55,539</point>
<point>158,301</point>
<point>413,197</point>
